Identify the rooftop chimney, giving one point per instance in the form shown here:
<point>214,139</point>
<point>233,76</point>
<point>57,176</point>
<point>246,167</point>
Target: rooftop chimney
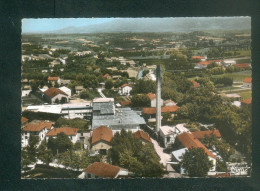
<point>158,97</point>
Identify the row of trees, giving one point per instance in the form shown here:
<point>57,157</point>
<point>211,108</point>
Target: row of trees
<point>130,153</point>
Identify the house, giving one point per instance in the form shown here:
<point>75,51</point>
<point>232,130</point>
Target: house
<point>105,170</point>
<point>203,134</point>
<point>64,82</point>
<point>101,139</point>
<point>150,112</point>
<point>107,76</point>
<point>26,93</point>
<point>79,89</point>
<point>35,129</point>
<point>188,141</point>
<point>198,58</point>
<point>24,121</point>
<point>54,63</point>
<point>116,77</point>
<point>152,98</point>
<point>227,63</point>
<point>125,103</point>
<point>236,97</point>
<point>54,95</point>
<point>167,134</point>
<point>70,132</point>
<point>247,82</point>
<point>195,84</point>
<point>66,90</point>
<point>169,103</point>
<point>125,89</point>
<point>144,137</point>
<point>246,102</point>
<point>245,66</point>
<point>53,80</point>
<point>204,64</point>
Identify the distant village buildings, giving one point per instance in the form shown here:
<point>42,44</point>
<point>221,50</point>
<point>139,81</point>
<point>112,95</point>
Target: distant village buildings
<point>247,82</point>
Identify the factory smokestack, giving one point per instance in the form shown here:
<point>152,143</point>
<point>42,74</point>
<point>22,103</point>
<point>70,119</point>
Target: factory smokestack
<point>158,97</point>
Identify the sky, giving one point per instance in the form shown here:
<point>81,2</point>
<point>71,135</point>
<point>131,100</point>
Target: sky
<point>131,24</point>
<point>44,25</point>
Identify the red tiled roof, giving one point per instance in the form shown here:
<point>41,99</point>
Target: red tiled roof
<point>142,135</point>
<point>52,92</point>
<point>47,125</point>
<point>151,96</point>
<point>53,78</point>
<point>202,134</point>
<point>242,65</point>
<point>152,110</point>
<point>102,133</point>
<point>248,80</point>
<point>124,85</point>
<point>65,130</point>
<point>24,120</point>
<point>197,57</point>
<point>247,101</point>
<point>189,141</point>
<point>103,170</point>
<point>209,62</point>
<point>34,127</point>
<point>195,84</point>
<point>125,103</point>
<point>106,75</point>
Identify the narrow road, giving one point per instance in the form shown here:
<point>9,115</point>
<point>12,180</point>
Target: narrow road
<point>159,150</point>
<point>101,93</point>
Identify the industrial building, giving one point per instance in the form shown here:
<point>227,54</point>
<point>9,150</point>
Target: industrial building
<point>105,113</point>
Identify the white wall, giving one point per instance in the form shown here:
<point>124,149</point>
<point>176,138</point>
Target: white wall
<point>247,85</point>
<point>126,90</point>
<point>59,96</point>
<point>153,102</point>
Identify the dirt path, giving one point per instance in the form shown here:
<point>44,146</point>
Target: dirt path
<point>159,150</point>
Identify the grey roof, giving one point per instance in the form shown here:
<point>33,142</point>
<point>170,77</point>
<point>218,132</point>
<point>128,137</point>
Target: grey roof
<point>123,118</point>
<point>104,107</point>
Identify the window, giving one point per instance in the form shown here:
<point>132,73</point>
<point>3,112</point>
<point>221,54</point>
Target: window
<point>89,175</point>
<point>168,139</point>
<point>26,137</point>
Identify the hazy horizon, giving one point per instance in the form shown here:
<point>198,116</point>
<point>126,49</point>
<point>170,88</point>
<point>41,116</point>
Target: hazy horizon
<point>106,25</point>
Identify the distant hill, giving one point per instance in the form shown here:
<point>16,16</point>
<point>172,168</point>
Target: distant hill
<point>186,25</point>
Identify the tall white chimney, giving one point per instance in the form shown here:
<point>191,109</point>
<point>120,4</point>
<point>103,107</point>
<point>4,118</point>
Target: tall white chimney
<point>158,97</point>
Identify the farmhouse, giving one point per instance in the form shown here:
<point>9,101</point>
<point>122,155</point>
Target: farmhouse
<point>104,170</point>
<point>55,95</point>
<point>70,132</point>
<point>152,98</point>
<point>247,82</point>
<point>150,112</point>
<point>101,139</point>
<point>35,129</point>
<point>125,89</point>
<point>202,134</point>
<point>53,80</point>
<point>188,141</point>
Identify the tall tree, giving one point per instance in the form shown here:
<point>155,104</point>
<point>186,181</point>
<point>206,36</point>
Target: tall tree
<point>196,162</point>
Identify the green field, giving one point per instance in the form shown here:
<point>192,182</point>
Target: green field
<point>245,94</point>
<point>236,76</point>
<point>241,53</point>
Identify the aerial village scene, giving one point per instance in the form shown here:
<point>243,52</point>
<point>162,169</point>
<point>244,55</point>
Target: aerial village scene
<point>136,97</point>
